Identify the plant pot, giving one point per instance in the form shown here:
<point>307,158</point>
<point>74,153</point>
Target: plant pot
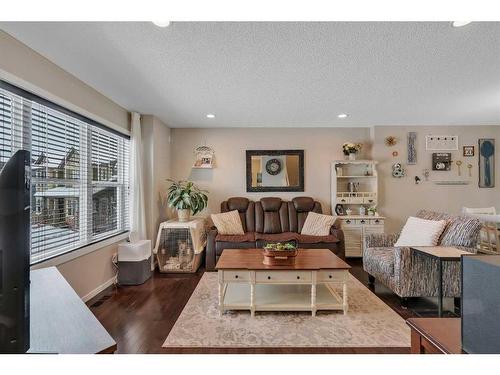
<point>352,156</point>
<point>183,214</point>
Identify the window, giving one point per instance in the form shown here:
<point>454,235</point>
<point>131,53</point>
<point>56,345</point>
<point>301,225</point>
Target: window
<point>79,169</point>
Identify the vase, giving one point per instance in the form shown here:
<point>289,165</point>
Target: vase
<point>183,214</point>
<point>352,156</point>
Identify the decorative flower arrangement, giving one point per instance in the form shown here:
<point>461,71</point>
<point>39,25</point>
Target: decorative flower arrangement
<point>280,246</point>
<point>351,148</point>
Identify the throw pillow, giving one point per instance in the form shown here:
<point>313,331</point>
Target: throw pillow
<point>228,223</point>
<point>461,231</point>
<point>421,232</point>
<point>317,224</point>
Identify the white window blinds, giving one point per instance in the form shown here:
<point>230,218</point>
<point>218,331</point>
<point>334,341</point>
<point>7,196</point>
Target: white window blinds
<point>79,190</point>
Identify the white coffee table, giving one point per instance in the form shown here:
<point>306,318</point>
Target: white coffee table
<point>245,283</point>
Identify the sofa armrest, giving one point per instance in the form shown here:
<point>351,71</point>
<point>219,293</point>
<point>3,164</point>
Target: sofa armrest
<point>339,234</point>
<point>210,256</point>
<point>380,240</point>
<point>415,275</point>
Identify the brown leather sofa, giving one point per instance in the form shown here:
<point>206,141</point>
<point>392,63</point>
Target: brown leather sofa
<point>271,220</point>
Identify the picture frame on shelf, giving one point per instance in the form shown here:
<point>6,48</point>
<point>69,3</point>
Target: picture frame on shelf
<point>339,210</point>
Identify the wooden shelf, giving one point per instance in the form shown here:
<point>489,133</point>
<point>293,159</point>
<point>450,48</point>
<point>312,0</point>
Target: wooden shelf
<point>355,162</point>
<point>356,176</point>
<point>195,167</point>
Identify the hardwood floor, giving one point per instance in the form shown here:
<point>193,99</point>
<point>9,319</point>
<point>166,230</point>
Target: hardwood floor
<point>140,317</point>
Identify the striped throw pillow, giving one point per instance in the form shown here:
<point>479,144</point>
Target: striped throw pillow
<point>421,232</point>
<point>317,224</point>
<point>228,223</point>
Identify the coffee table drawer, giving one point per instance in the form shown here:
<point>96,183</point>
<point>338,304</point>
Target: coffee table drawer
<point>282,276</point>
<point>237,275</point>
<point>330,276</point>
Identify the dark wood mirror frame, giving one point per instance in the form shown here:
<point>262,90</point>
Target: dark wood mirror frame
<point>250,153</point>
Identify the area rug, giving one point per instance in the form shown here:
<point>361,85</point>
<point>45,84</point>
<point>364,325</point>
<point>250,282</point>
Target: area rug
<point>369,323</point>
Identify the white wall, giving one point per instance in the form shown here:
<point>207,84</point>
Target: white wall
<point>399,198</point>
<point>228,179</point>
<point>24,67</point>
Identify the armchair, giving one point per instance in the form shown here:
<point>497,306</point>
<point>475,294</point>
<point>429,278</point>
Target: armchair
<point>409,275</point>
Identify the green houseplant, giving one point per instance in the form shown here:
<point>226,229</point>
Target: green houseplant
<point>186,197</point>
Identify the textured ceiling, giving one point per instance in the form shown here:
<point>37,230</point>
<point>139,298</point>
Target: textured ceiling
<point>284,74</point>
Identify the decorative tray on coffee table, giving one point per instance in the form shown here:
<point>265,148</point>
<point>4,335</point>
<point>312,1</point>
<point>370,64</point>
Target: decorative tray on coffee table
<point>279,254</point>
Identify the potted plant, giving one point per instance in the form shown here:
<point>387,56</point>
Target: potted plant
<point>186,197</point>
<point>351,149</point>
<point>372,210</point>
<point>280,254</point>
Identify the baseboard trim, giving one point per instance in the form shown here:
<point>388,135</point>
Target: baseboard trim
<point>99,289</point>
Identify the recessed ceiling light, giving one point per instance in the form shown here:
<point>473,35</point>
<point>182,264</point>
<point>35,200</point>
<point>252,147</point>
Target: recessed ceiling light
<point>162,23</point>
<point>460,23</point>
<point>343,115</point>
<point>210,115</point>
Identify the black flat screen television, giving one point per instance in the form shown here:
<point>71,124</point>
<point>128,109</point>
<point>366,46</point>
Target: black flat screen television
<point>15,253</point>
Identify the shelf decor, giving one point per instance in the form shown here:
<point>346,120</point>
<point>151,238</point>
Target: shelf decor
<point>204,157</point>
<point>351,149</point>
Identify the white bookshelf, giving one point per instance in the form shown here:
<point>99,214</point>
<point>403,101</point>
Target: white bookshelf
<point>356,226</point>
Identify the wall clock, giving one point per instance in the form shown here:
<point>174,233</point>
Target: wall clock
<point>273,167</point>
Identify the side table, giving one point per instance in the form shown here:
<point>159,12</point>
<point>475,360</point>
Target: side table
<point>442,254</point>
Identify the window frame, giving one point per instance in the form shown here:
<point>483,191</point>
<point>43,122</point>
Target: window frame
<point>89,241</point>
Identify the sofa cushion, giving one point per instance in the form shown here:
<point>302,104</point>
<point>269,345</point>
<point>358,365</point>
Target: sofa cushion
<point>220,246</point>
<point>379,261</point>
<point>306,239</point>
<point>421,232</point>
<point>246,237</point>
<point>228,223</point>
<point>277,237</point>
<point>270,204</point>
<point>317,224</point>
<point>303,204</point>
<point>239,204</point>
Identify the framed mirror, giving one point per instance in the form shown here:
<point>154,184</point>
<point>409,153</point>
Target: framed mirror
<point>275,170</point>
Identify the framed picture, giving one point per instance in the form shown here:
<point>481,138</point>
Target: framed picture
<point>339,210</point>
<point>468,151</point>
<point>486,163</point>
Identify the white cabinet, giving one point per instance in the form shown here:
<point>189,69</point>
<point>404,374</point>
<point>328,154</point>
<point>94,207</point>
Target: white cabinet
<point>354,184</point>
<point>355,229</point>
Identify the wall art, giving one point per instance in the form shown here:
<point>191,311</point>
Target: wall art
<point>390,141</point>
<point>412,148</point>
<point>204,157</point>
<point>486,163</point>
<point>468,151</point>
<point>441,161</point>
<point>441,142</point>
<point>398,170</point>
